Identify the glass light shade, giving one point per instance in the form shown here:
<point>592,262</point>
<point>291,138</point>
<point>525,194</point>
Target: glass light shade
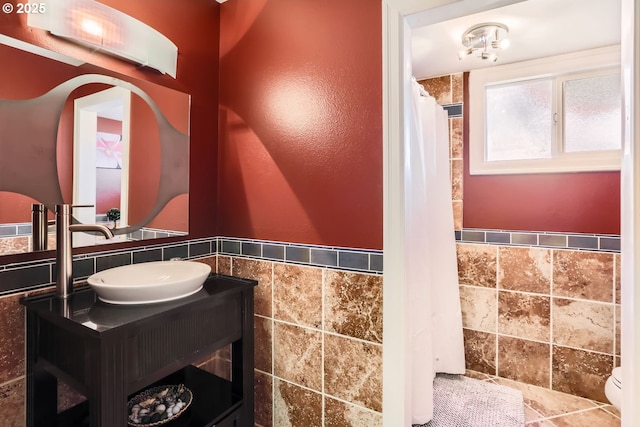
<point>107,29</point>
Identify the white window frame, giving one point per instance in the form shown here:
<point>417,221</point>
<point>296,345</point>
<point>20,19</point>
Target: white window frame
<point>574,65</point>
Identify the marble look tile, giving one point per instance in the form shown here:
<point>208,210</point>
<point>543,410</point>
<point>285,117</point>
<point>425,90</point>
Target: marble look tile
<point>297,294</point>
<point>340,414</point>
<point>581,373</point>
<point>617,272</point>
<point>68,397</point>
<point>263,336</point>
<point>218,366</point>
<point>456,179</point>
<point>478,375</point>
<point>546,402</point>
<point>223,265</point>
<point>581,274</point>
<point>12,344</point>
<point>612,410</point>
<point>597,417</point>
<point>51,241</point>
<point>211,261</point>
<point>523,360</point>
<point>262,272</point>
<point>583,324</point>
<point>263,399</point>
<point>480,351</point>
<point>297,355</point>
<point>224,352</point>
<point>539,423</point>
<point>353,371</point>
<point>353,304</point>
<point>12,396</point>
<point>525,269</point>
<point>524,315</point>
<point>530,416</point>
<point>457,88</point>
<point>439,88</point>
<point>479,308</point>
<point>294,406</point>
<point>618,326</point>
<point>457,214</point>
<point>14,245</point>
<point>477,264</point>
<point>455,137</point>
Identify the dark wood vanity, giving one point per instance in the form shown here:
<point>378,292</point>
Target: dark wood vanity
<point>110,353</point>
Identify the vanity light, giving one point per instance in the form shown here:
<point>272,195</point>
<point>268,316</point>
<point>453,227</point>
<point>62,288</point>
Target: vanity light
<point>106,29</point>
<point>487,38</point>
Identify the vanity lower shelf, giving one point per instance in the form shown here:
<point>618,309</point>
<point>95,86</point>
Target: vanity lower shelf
<point>214,402</point>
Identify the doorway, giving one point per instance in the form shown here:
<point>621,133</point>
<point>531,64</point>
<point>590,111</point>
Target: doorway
<point>399,17</point>
<point>101,157</point>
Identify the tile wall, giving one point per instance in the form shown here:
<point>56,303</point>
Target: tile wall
<point>541,308</point>
<point>448,92</point>
<point>318,343</point>
<point>547,317</point>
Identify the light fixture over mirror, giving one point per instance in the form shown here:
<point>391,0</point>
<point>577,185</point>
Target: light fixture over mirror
<point>103,28</point>
<point>487,39</point>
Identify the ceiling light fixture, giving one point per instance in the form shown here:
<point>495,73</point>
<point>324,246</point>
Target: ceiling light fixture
<point>108,30</point>
<point>488,38</point>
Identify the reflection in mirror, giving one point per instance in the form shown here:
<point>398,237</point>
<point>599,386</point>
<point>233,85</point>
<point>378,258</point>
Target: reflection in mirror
<point>91,139</point>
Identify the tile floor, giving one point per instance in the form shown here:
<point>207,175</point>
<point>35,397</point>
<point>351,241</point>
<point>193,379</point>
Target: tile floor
<point>549,408</point>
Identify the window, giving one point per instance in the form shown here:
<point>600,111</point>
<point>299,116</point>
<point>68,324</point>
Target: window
<point>559,114</point>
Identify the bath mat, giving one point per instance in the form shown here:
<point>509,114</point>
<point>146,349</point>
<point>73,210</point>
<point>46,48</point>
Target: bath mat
<point>459,401</point>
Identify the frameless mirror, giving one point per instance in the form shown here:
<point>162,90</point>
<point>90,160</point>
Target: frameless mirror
<point>119,145</point>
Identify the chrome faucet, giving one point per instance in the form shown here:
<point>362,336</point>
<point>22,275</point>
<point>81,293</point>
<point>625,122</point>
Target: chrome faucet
<point>64,249</point>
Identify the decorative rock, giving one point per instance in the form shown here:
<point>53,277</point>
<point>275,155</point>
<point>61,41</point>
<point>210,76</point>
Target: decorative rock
<point>154,406</point>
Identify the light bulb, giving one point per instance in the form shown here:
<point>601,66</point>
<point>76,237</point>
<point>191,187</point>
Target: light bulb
<point>92,27</point>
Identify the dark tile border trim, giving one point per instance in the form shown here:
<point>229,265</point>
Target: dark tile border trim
<point>543,239</point>
<point>20,277</point>
<point>337,258</point>
<point>453,110</point>
<point>32,275</point>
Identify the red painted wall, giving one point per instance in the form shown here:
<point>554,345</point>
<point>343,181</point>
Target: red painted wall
<point>144,161</point>
<point>561,202</point>
<point>193,25</point>
<point>108,182</point>
<point>300,153</point>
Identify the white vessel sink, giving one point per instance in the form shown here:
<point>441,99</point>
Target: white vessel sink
<point>149,282</point>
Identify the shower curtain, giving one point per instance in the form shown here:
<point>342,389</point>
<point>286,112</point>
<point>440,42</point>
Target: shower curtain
<point>432,268</point>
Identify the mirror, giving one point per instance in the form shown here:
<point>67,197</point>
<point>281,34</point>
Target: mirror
<point>88,138</point>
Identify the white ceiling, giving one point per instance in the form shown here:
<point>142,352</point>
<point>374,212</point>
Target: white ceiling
<point>537,28</point>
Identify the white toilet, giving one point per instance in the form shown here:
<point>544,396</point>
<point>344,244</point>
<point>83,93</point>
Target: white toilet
<point>613,388</point>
